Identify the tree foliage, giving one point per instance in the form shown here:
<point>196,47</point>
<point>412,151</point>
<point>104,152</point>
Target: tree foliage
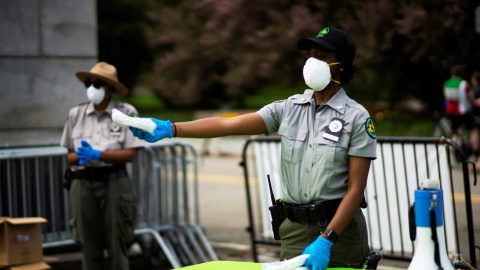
<point>224,50</point>
<point>208,52</point>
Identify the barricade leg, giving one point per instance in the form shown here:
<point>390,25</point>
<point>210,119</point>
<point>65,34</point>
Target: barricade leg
<point>171,256</point>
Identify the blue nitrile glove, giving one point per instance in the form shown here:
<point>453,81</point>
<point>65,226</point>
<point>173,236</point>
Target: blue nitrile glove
<point>319,252</point>
<point>163,130</point>
<point>86,153</point>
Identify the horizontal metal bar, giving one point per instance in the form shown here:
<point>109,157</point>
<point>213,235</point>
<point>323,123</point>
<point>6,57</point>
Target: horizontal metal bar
<point>18,153</point>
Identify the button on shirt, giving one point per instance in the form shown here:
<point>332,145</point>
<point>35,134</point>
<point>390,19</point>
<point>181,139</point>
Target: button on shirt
<point>314,167</point>
<point>85,123</point>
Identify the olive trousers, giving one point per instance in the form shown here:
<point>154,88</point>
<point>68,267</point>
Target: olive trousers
<point>103,216</point>
<point>348,251</point>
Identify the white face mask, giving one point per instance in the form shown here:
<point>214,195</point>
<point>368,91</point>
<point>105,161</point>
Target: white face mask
<point>317,73</point>
<point>95,94</point>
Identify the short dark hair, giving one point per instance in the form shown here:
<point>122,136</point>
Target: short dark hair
<point>476,75</point>
<point>458,70</point>
<point>348,67</point>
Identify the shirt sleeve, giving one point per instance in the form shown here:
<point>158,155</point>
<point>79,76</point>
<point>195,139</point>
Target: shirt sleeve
<point>66,140</point>
<point>272,115</point>
<point>363,142</point>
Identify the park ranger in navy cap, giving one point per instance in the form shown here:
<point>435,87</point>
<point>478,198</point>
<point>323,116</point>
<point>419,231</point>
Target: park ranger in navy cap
<point>327,144</point>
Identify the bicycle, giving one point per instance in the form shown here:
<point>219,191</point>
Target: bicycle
<point>462,137</point>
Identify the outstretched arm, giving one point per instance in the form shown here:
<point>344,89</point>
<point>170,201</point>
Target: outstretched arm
<point>248,124</point>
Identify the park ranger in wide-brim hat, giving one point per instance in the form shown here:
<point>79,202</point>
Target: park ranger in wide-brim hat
<point>106,73</point>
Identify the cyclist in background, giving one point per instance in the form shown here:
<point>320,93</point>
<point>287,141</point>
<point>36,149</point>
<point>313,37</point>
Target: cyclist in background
<point>458,99</point>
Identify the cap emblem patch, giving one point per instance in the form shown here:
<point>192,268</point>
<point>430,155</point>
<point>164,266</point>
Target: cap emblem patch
<point>323,32</point>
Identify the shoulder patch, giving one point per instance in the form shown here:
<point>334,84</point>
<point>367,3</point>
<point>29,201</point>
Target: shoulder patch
<point>370,128</point>
<point>133,115</point>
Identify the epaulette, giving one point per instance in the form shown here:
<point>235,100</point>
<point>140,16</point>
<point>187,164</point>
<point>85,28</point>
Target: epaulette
<point>120,104</point>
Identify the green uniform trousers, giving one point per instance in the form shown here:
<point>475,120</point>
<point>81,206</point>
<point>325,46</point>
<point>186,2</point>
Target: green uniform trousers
<point>348,251</point>
<point>103,216</point>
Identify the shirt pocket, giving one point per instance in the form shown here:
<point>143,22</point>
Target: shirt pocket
<point>293,143</point>
<point>79,134</point>
<point>330,153</point>
<point>113,136</point>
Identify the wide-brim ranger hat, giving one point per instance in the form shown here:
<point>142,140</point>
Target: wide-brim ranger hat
<point>104,72</point>
<point>331,38</point>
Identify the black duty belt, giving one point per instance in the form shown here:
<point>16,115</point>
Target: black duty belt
<point>311,212</point>
<point>98,173</point>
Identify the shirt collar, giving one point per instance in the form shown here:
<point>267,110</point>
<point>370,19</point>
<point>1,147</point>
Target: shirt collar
<point>110,107</point>
<point>306,97</point>
<point>337,102</point>
<point>91,107</point>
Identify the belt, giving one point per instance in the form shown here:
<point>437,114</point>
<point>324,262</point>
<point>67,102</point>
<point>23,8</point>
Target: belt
<point>311,212</point>
<point>98,173</point>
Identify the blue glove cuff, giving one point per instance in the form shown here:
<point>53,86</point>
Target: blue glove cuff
<point>163,130</point>
<point>326,242</point>
<point>168,126</point>
<point>96,154</point>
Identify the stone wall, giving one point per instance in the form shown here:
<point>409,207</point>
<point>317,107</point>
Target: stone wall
<point>43,43</point>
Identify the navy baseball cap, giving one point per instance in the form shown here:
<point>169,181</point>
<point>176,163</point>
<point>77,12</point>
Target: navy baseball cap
<point>331,38</point>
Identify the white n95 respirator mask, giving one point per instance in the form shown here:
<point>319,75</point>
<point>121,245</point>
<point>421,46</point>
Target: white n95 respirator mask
<point>95,94</point>
<point>317,73</point>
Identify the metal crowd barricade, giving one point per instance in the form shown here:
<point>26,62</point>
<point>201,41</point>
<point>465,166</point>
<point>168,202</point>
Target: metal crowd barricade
<point>170,204</point>
<point>165,177</point>
<point>400,166</point>
<point>31,185</point>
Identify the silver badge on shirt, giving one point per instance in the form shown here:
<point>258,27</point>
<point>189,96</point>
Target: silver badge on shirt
<point>114,130</point>
<point>334,129</point>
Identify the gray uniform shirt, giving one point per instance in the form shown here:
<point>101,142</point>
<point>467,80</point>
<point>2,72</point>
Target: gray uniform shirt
<point>316,144</point>
<point>85,123</point>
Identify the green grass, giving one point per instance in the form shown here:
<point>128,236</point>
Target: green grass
<point>151,106</point>
<point>404,127</point>
<point>144,102</point>
<point>271,94</point>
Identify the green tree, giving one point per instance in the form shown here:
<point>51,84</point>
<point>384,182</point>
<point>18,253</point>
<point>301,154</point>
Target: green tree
<point>220,51</point>
<point>209,52</point>
<point>409,46</point>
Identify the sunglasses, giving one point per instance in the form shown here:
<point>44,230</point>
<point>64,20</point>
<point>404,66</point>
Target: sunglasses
<point>97,84</point>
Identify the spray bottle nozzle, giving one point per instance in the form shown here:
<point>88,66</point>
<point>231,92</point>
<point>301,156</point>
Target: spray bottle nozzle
<point>430,184</point>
